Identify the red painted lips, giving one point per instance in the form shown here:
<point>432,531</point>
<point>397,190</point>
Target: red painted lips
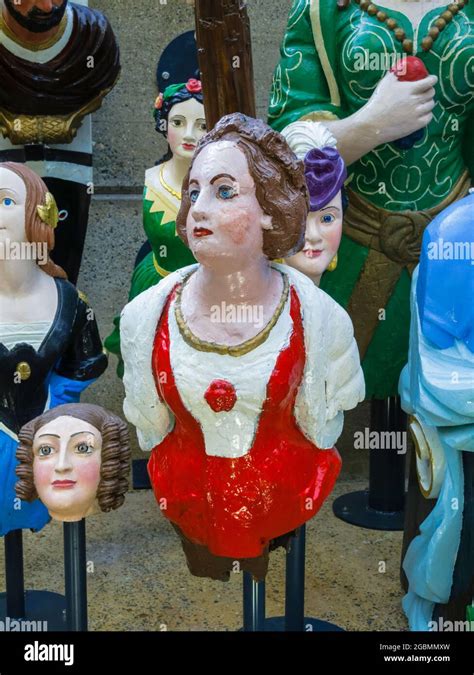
<point>202,232</point>
<point>64,483</point>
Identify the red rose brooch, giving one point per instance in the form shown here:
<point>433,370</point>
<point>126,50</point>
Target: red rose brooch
<point>221,396</point>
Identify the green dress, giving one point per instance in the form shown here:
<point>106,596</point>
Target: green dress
<point>168,253</point>
<point>328,70</point>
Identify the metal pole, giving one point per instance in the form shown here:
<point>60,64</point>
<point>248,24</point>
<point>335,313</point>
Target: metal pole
<point>254,604</point>
<point>75,575</point>
<point>387,466</point>
<point>15,582</point>
<point>295,578</point>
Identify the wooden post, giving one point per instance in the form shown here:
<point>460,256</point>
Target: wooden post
<point>225,58</point>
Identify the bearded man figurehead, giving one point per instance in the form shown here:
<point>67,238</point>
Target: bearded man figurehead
<point>36,16</point>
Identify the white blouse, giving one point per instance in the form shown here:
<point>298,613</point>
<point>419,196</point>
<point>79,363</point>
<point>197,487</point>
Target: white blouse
<point>195,370</point>
<point>33,334</point>
<point>332,381</point>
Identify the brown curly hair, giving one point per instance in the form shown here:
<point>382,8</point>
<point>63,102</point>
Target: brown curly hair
<point>115,454</point>
<point>280,184</point>
<point>36,231</point>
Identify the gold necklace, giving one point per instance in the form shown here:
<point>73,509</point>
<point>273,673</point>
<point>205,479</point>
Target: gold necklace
<point>440,24</point>
<point>167,187</point>
<point>231,350</point>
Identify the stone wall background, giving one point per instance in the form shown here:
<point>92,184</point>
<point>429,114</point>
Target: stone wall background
<point>126,141</point>
<point>126,144</point>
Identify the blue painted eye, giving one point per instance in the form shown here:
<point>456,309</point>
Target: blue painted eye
<point>193,196</point>
<point>84,449</point>
<point>327,218</point>
<point>8,202</point>
<point>226,192</point>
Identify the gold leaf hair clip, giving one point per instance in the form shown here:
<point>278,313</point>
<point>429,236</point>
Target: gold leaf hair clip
<point>48,212</point>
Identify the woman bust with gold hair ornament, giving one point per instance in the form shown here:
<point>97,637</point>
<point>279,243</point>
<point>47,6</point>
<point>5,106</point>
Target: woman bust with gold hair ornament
<point>50,349</point>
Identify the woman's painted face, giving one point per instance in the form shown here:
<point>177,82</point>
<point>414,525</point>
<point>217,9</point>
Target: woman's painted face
<point>66,467</point>
<point>322,239</point>
<point>225,222</point>
<point>12,207</point>
<point>186,126</point>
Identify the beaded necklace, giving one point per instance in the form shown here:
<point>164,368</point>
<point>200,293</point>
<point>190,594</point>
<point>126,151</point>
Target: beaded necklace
<point>426,44</point>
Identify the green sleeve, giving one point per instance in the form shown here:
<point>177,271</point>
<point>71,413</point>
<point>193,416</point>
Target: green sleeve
<point>299,85</point>
<point>468,140</point>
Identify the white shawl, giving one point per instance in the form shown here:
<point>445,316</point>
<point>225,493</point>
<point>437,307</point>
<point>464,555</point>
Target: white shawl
<point>332,381</point>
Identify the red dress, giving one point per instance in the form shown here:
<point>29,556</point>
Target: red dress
<point>236,506</point>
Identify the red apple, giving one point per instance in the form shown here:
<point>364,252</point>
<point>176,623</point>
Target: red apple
<point>410,69</point>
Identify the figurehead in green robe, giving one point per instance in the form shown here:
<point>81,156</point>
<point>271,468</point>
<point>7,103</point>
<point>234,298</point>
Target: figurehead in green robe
<point>179,116</point>
<point>333,69</point>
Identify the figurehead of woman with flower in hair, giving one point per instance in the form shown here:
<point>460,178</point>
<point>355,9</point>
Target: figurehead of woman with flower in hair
<point>180,118</point>
<point>238,369</point>
<point>76,459</point>
<point>170,113</point>
<point>50,348</point>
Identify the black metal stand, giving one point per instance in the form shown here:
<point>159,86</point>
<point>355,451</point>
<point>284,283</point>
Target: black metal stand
<point>294,619</point>
<point>75,575</point>
<point>47,609</point>
<point>381,507</point>
<point>294,583</point>
<point>15,596</point>
<point>254,604</point>
<point>140,477</point>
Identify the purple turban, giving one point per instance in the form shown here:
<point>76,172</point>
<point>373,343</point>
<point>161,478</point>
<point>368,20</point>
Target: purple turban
<point>325,174</point>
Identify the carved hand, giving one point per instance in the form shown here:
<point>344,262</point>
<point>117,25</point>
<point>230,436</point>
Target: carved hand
<point>396,109</point>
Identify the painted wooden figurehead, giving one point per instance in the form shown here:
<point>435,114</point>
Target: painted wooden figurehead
<point>76,459</point>
<point>251,364</point>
